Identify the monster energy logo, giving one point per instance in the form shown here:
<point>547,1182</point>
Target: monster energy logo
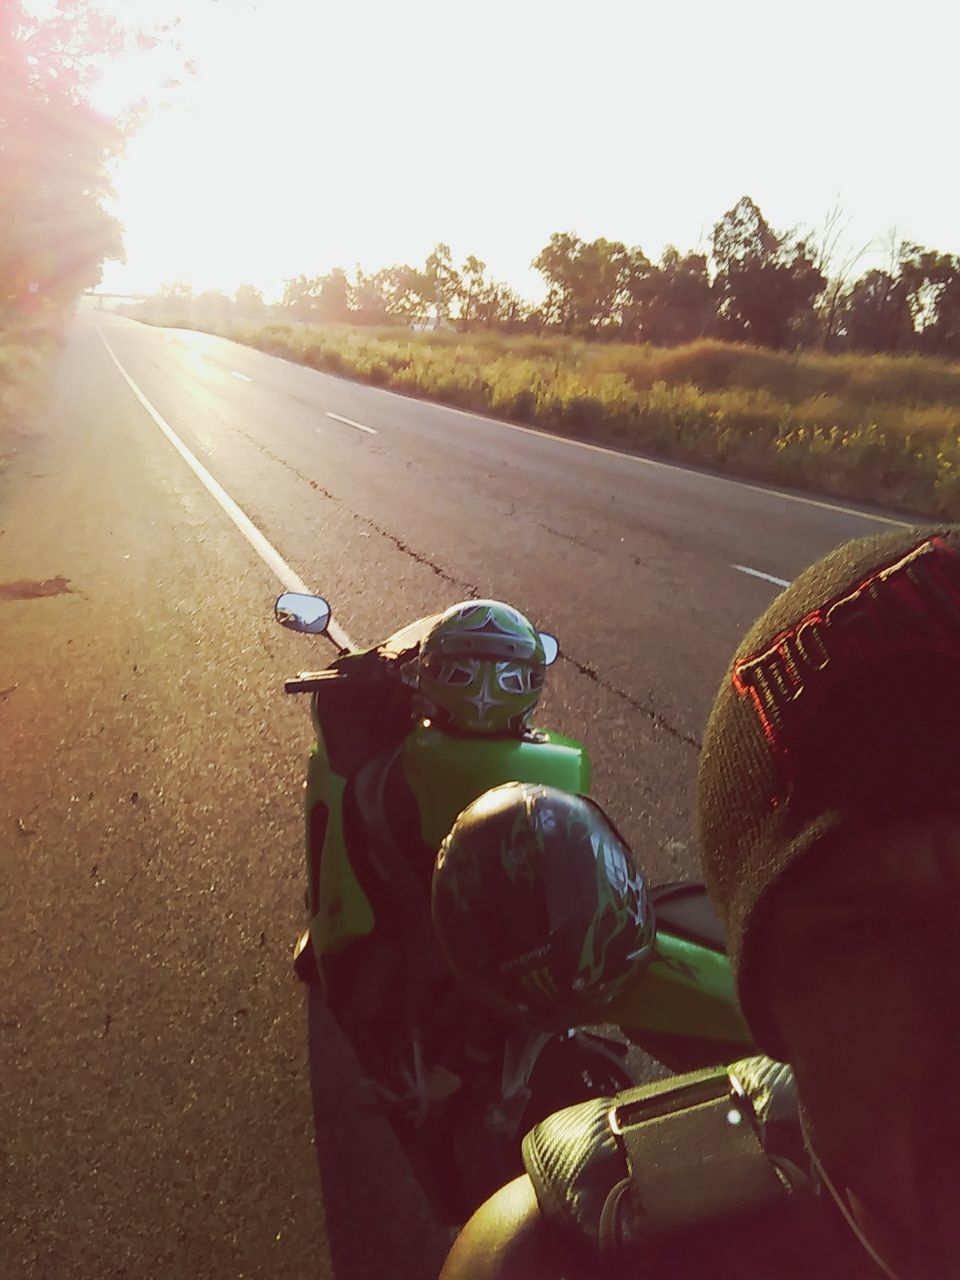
<point>518,961</point>
<point>540,984</point>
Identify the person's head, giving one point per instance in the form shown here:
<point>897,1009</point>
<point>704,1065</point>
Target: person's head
<point>481,668</point>
<point>829,812</point>
<point>538,905</point>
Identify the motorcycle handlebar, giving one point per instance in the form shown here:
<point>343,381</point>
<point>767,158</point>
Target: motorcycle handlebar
<point>307,681</point>
<point>371,664</point>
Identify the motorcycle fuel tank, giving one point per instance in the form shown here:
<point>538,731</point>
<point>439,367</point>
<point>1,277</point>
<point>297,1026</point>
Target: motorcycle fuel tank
<point>446,771</point>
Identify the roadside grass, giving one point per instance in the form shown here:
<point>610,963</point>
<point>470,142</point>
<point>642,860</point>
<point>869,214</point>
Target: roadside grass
<point>877,429</point>
<point>25,351</point>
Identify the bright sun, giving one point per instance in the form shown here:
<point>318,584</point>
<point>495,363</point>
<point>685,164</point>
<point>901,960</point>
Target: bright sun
<point>327,134</point>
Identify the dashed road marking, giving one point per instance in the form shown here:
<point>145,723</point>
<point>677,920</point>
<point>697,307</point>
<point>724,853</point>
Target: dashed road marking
<point>371,431</point>
<point>767,577</point>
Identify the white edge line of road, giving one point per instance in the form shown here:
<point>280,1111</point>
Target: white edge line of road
<point>371,431</point>
<point>267,552</point>
<point>242,376</point>
<point>645,462</point>
<point>767,577</point>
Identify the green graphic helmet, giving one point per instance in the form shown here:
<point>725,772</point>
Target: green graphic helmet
<point>481,668</point>
<point>538,906</point>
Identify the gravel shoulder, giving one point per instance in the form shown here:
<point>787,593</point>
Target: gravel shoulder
<point>160,1118</point>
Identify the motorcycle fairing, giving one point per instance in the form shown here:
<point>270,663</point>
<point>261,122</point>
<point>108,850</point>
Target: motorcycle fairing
<point>357,712</point>
<point>446,771</point>
<point>346,914</point>
<point>685,985</point>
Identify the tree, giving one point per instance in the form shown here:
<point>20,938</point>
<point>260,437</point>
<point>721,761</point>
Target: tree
<point>248,300</point>
<point>399,294</point>
<point>765,282</point>
<point>590,284</point>
<point>472,285</point>
<point>179,290</point>
<point>673,302</point>
<point>212,305</point>
<point>405,292</point>
<point>942,336</point>
<point>319,297</point>
<point>837,268</point>
<point>334,301</point>
<point>54,233</point>
<point>440,282</point>
<point>912,305</point>
<point>873,314</point>
<point>369,305</point>
<point>498,307</point>
<point>301,296</point>
<point>175,300</point>
<point>926,275</point>
<point>54,149</point>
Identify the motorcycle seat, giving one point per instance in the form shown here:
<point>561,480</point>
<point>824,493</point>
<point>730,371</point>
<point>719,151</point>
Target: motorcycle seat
<point>687,911</point>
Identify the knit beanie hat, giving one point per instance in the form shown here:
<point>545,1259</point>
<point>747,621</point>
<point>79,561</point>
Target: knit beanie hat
<point>841,712</point>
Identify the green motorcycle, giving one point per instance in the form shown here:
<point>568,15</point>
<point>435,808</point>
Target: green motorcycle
<point>387,777</point>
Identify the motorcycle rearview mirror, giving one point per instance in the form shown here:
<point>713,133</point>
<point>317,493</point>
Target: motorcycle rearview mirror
<point>551,647</point>
<point>298,612</point>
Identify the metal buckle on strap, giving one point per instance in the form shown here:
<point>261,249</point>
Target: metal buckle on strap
<point>690,1093</point>
<point>694,1155</point>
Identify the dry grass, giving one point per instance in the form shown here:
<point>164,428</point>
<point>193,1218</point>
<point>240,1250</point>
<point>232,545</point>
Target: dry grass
<point>24,358</point>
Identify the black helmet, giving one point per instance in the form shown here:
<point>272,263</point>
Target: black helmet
<point>538,905</point>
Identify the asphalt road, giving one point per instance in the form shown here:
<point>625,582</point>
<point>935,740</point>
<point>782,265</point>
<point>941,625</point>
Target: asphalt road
<point>171,1104</point>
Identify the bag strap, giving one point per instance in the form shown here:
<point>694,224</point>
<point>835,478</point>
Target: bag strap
<point>694,1156</point>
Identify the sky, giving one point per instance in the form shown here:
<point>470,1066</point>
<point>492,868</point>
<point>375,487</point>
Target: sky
<point>317,134</point>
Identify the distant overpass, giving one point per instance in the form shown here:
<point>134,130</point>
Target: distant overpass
<point>116,297</point>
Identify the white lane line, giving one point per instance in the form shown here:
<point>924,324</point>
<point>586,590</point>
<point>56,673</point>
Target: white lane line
<point>267,552</point>
<point>371,431</point>
<point>767,577</point>
<point>242,376</point>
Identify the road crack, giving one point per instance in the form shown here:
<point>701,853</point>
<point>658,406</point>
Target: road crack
<point>418,556</point>
<point>472,592</point>
<point>567,537</point>
<point>399,543</point>
<point>654,716</point>
<point>275,457</point>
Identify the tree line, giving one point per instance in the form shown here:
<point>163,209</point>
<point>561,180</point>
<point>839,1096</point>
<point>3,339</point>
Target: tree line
<point>752,284</point>
<point>54,151</point>
<point>436,295</point>
<point>756,285</point>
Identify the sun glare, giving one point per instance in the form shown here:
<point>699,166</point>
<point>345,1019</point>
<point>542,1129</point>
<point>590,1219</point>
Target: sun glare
<point>117,89</point>
<point>322,135</point>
